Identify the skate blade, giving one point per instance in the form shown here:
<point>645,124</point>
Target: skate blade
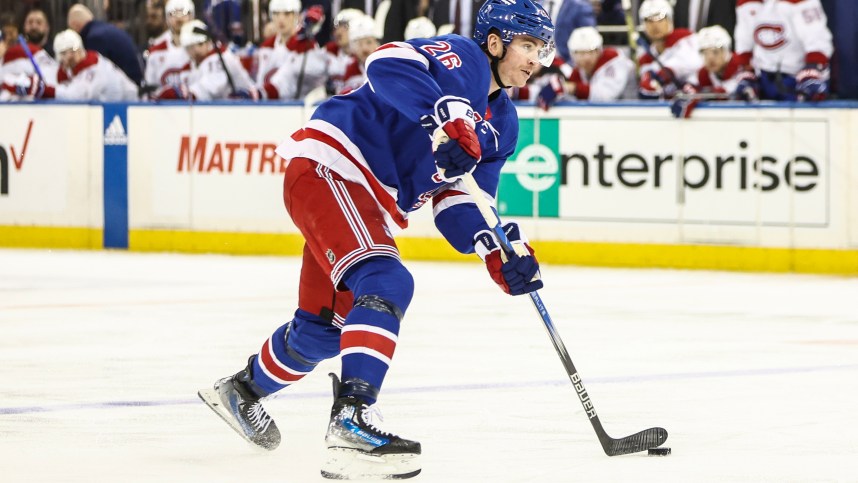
<point>352,464</point>
<point>212,400</point>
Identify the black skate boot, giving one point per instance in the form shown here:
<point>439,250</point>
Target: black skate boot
<point>357,449</point>
<point>236,400</point>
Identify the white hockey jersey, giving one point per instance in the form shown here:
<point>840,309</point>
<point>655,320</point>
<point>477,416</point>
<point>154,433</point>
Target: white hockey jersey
<point>16,66</point>
<point>782,35</point>
<point>681,55</point>
<point>300,73</point>
<point>270,55</point>
<point>166,64</point>
<point>612,78</point>
<point>724,82</point>
<point>95,78</point>
<point>208,81</point>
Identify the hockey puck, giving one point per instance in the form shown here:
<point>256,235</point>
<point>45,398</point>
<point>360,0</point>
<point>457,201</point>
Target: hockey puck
<point>663,451</point>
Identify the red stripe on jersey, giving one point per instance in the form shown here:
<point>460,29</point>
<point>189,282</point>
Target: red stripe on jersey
<point>269,42</point>
<point>369,340</point>
<point>676,36</point>
<point>159,46</point>
<point>816,58</point>
<point>88,61</point>
<point>646,59</point>
<point>16,52</point>
<point>739,3</point>
<point>607,55</point>
<point>383,197</point>
<point>446,194</point>
<point>793,1</point>
<point>271,366</point>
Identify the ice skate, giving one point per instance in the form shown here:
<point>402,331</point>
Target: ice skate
<point>357,449</point>
<point>236,403</point>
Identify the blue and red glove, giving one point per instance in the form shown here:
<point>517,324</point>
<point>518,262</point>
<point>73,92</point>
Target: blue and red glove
<point>516,275</point>
<point>32,86</point>
<point>812,83</point>
<point>551,91</point>
<point>305,38</point>
<point>454,141</point>
<point>748,87</point>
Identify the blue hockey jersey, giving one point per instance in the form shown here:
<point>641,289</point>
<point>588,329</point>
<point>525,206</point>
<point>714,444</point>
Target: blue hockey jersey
<point>372,136</point>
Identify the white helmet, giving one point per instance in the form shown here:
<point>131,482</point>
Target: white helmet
<point>283,6</point>
<point>67,40</point>
<point>346,15</point>
<point>714,37</point>
<point>655,8</point>
<point>585,39</point>
<point>419,28</point>
<point>188,37</point>
<point>186,7</point>
<point>362,27</point>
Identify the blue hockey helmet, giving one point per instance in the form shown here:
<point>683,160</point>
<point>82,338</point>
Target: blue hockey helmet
<point>516,17</point>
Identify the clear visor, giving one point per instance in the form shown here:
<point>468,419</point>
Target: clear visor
<point>544,55</point>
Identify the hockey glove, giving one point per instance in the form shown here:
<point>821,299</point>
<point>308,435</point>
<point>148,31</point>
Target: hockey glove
<point>26,87</point>
<point>455,144</point>
<point>748,87</point>
<point>649,87</point>
<point>551,91</point>
<point>517,275</point>
<point>811,83</point>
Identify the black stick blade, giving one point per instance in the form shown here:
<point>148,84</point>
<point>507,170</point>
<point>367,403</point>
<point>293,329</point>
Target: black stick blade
<point>646,439</point>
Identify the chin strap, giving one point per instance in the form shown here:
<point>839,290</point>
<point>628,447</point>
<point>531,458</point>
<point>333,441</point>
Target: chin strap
<point>495,60</point>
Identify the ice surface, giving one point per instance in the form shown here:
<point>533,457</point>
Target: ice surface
<point>754,376</point>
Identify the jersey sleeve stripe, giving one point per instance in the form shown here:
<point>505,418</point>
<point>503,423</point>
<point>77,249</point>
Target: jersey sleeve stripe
<point>397,50</point>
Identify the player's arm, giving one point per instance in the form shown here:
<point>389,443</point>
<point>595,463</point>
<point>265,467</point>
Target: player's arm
<point>613,81</point>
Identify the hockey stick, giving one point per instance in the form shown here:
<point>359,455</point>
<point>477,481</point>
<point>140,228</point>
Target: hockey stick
<point>647,47</point>
<point>29,54</point>
<point>630,25</point>
<point>202,31</point>
<point>649,438</point>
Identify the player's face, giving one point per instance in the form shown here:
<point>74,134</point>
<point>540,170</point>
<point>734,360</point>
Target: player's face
<point>36,27</point>
<point>177,18</point>
<point>586,59</point>
<point>658,29</point>
<point>361,48</point>
<point>70,58</point>
<point>286,22</point>
<point>341,36</point>
<point>521,60</point>
<point>10,33</point>
<point>714,60</point>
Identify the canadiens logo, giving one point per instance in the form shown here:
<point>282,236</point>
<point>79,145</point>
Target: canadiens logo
<point>770,36</point>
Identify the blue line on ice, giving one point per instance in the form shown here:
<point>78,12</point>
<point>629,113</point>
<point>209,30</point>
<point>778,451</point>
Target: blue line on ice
<point>454,388</point>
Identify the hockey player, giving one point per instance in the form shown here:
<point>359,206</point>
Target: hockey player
<point>298,66</point>
<point>670,58</point>
<point>272,52</point>
<point>600,74</point>
<point>355,171</point>
<point>84,75</point>
<point>166,60</point>
<point>338,48</point>
<point>722,73</point>
<point>207,80</point>
<point>363,40</point>
<point>789,45</point>
<point>17,68</point>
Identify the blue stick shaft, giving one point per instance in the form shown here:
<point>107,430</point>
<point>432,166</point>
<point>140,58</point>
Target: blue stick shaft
<point>26,47</point>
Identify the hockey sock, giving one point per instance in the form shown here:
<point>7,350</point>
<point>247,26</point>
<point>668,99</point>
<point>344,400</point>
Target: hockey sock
<point>383,289</point>
<point>294,350</point>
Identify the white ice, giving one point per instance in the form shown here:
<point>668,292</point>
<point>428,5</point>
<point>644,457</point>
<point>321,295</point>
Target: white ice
<point>755,376</point>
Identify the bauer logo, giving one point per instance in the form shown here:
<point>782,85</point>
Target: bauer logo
<point>115,133</point>
<point>530,179</point>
